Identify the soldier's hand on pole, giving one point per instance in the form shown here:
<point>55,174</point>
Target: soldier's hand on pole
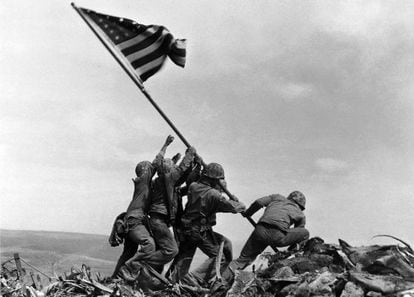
<point>234,198</point>
<point>191,150</point>
<point>169,140</point>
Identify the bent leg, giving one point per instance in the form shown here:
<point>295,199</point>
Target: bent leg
<point>140,236</point>
<point>254,245</point>
<point>130,248</point>
<point>182,262</point>
<point>210,246</point>
<point>165,242</point>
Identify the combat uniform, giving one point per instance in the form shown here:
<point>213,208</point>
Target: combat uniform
<point>197,221</point>
<point>134,219</point>
<point>271,230</point>
<point>163,208</point>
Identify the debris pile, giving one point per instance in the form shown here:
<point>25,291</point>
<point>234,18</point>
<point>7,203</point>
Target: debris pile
<point>321,269</point>
<point>315,269</point>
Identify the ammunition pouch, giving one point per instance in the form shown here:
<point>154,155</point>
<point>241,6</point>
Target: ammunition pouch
<point>195,230</point>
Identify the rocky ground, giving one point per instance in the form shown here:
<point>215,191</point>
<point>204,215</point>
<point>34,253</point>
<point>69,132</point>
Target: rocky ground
<point>316,269</point>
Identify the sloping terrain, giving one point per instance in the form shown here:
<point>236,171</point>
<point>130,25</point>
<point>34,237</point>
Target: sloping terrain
<point>57,252</point>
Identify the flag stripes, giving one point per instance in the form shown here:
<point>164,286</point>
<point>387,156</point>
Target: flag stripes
<point>144,47</point>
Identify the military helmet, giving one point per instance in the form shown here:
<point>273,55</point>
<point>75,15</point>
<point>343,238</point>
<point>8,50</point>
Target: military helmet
<point>214,170</point>
<point>299,198</point>
<point>142,167</point>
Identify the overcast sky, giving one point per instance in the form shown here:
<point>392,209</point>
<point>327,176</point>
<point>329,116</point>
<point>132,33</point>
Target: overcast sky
<point>315,96</point>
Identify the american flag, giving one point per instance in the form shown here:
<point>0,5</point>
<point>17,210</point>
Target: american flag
<point>144,47</point>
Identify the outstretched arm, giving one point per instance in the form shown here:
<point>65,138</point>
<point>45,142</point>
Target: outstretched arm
<point>160,156</point>
<point>259,203</point>
<point>254,207</point>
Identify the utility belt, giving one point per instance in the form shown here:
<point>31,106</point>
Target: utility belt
<point>196,234</point>
<point>201,224</point>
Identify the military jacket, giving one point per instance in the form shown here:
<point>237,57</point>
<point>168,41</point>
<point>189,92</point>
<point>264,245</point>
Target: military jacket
<point>280,212</point>
<point>164,198</point>
<point>203,204</point>
<point>139,203</point>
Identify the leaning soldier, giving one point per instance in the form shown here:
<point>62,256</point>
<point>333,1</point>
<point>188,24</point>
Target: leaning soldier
<point>273,228</point>
<point>197,222</point>
<point>163,207</point>
<point>136,231</point>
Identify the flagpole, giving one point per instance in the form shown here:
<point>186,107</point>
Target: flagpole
<point>110,47</point>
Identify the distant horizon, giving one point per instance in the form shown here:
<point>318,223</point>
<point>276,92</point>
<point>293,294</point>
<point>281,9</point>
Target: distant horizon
<point>52,231</point>
<point>239,242</point>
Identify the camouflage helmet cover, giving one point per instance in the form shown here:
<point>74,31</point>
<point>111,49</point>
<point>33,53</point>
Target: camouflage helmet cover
<point>142,167</point>
<point>214,170</point>
<point>299,198</point>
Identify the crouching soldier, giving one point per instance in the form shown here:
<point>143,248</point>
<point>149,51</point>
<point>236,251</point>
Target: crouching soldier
<point>273,228</point>
<point>136,232</point>
<point>197,222</point>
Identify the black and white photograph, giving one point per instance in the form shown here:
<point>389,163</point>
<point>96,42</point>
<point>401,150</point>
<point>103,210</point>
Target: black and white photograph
<point>207,148</point>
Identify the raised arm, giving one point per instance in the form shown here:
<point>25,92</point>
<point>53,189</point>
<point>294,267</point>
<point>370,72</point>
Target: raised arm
<point>177,174</point>
<point>160,156</point>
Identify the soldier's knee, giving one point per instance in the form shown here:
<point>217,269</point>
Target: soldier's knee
<point>147,245</point>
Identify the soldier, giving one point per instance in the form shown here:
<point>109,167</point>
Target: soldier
<point>272,228</point>
<point>197,222</point>
<point>136,233</point>
<point>163,208</point>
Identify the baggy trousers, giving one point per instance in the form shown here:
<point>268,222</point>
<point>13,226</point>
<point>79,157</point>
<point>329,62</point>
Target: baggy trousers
<point>166,246</point>
<point>262,237</point>
<point>137,235</point>
<point>208,242</point>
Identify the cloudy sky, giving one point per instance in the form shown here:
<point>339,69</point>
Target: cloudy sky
<point>315,96</point>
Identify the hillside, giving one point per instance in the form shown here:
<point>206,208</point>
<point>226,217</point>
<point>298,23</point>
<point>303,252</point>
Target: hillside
<point>59,251</point>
